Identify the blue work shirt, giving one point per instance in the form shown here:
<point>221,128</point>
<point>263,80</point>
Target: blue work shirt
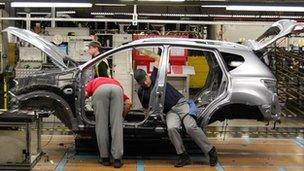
<point>171,95</point>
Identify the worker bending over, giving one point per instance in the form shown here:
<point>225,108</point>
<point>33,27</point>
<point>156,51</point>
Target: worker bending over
<point>109,103</point>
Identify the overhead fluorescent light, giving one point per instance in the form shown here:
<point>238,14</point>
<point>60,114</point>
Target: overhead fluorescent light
<point>197,15</point>
<point>111,13</point>
<point>174,15</point>
<point>50,4</point>
<point>292,17</point>
<point>269,16</point>
<point>246,16</point>
<point>161,0</point>
<point>66,12</point>
<point>214,6</point>
<point>220,15</point>
<point>149,14</point>
<point>112,5</point>
<point>123,13</point>
<point>34,13</point>
<point>46,13</point>
<point>264,8</point>
<point>102,13</point>
<point>2,3</point>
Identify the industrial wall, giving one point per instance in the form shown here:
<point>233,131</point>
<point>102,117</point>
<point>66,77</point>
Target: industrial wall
<point>235,33</point>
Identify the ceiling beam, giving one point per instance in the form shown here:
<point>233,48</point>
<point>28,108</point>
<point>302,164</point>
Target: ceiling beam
<point>139,21</point>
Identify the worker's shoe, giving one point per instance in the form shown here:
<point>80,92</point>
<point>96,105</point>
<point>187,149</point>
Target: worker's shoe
<point>183,159</point>
<point>213,157</point>
<point>105,161</point>
<point>117,163</point>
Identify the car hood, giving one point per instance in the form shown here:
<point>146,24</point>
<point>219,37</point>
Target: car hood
<point>278,30</point>
<point>47,47</point>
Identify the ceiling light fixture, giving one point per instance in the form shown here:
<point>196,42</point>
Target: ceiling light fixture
<point>291,17</point>
<point>150,14</point>
<point>50,4</point>
<point>161,0</point>
<point>34,13</point>
<point>66,12</point>
<point>196,15</point>
<point>111,5</point>
<point>102,13</point>
<point>214,6</point>
<point>265,8</point>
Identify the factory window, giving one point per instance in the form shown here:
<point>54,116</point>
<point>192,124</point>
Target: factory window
<point>232,61</point>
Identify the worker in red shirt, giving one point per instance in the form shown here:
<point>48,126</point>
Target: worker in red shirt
<point>109,103</point>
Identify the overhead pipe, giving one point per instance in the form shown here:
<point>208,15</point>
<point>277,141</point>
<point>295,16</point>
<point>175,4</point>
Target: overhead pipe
<point>139,21</point>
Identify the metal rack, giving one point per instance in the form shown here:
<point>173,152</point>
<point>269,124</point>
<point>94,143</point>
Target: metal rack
<point>288,68</point>
<point>20,135</point>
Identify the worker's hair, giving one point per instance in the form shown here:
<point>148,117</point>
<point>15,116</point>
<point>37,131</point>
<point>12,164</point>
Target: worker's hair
<point>95,44</point>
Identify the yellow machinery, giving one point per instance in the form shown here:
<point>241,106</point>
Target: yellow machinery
<point>201,68</point>
<point>8,63</point>
<point>4,94</point>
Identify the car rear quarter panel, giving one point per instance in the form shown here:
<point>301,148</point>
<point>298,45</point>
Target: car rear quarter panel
<point>246,81</point>
<point>247,86</point>
<point>250,91</point>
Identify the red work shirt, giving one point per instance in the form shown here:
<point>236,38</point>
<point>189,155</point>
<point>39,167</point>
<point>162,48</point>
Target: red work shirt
<point>92,85</point>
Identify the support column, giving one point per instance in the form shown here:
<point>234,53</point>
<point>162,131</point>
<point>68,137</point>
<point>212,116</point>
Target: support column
<point>28,21</point>
<point>53,15</point>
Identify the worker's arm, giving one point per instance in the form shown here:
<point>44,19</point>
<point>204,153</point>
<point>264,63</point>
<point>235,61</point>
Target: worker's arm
<point>127,106</point>
<point>151,54</point>
<point>89,89</point>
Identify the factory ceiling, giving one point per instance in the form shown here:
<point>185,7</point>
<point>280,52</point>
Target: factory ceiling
<point>197,10</point>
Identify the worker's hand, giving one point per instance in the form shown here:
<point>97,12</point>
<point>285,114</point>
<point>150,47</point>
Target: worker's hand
<point>152,55</point>
<point>127,107</point>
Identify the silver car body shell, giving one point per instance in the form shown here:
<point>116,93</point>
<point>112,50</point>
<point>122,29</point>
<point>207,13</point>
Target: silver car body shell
<point>243,84</point>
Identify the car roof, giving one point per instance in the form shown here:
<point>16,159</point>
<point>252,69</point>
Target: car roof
<point>220,45</point>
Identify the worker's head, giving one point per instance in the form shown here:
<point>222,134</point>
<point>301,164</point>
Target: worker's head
<point>94,48</point>
<point>142,78</point>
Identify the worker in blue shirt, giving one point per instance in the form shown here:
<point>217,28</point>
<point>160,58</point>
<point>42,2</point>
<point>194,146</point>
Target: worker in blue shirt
<point>176,109</point>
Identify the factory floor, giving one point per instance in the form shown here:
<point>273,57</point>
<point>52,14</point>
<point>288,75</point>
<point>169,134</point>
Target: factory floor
<point>234,154</point>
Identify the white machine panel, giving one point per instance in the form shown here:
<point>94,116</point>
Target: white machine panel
<point>78,48</point>
<point>66,30</point>
<point>30,54</point>
<point>122,64</point>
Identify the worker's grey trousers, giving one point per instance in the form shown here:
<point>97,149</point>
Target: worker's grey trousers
<point>174,119</point>
<point>108,107</point>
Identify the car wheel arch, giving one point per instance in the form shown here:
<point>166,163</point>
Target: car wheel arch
<point>235,111</point>
<point>50,100</point>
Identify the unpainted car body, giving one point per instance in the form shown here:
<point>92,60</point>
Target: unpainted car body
<point>246,89</point>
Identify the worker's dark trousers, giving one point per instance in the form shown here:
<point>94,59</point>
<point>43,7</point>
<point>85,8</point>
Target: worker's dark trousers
<point>173,119</point>
<point>108,108</point>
